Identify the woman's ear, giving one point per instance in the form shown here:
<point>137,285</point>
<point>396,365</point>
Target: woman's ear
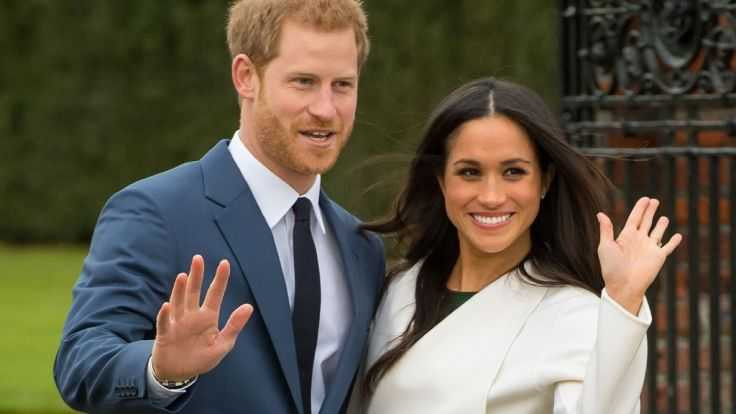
<point>441,183</point>
<point>245,77</point>
<point>549,176</point>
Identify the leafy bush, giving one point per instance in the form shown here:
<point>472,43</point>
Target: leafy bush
<point>94,95</point>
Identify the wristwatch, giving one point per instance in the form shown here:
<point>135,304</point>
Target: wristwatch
<point>173,385</point>
<point>170,385</point>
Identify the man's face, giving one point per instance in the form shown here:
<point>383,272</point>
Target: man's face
<point>304,108</point>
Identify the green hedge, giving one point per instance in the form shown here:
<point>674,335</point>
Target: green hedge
<point>96,94</point>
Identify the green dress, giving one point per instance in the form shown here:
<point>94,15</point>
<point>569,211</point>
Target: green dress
<point>453,300</point>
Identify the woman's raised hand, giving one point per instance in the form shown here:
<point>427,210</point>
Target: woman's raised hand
<point>631,261</point>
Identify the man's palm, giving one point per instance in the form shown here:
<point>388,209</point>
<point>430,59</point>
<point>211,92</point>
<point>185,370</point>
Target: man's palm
<point>188,341</point>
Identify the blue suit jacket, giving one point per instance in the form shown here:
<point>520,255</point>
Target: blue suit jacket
<point>146,235</point>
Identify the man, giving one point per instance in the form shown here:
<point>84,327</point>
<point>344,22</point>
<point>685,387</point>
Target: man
<point>290,263</point>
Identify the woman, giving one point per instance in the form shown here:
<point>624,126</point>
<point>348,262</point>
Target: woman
<point>499,303</point>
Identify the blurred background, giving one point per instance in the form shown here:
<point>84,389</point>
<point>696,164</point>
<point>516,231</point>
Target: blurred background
<point>97,94</point>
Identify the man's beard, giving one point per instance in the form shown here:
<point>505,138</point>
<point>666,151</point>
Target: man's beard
<point>279,143</point>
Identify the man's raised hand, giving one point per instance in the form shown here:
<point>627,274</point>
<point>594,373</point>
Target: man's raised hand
<point>188,340</point>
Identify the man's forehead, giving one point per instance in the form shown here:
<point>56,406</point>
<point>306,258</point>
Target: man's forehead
<point>303,49</point>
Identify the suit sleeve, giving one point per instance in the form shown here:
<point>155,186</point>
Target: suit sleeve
<point>108,335</point>
<point>616,365</point>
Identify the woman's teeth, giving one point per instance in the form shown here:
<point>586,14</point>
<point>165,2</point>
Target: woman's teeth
<point>491,219</point>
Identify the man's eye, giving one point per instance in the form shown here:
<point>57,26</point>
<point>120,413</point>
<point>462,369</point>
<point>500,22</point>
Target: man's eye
<point>304,81</point>
<point>344,84</point>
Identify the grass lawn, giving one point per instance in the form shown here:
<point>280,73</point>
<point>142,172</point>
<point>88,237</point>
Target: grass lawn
<point>36,293</point>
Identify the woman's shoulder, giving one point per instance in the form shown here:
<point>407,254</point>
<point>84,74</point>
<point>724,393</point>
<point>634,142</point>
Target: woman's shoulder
<point>567,295</point>
<point>570,312</point>
<point>562,296</point>
<point>406,278</point>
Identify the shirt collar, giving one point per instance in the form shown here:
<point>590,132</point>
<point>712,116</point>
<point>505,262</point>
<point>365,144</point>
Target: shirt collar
<point>273,195</point>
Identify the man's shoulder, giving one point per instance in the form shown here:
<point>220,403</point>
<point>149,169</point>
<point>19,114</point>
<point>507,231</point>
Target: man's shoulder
<point>166,187</point>
<point>187,177</point>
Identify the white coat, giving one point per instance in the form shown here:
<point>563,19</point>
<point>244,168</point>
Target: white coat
<point>511,348</point>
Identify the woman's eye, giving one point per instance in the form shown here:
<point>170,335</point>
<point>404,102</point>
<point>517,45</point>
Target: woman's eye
<point>513,171</point>
<point>468,172</point>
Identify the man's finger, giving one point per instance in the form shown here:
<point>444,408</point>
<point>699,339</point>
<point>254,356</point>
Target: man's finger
<point>648,218</point>
<point>634,219</point>
<point>177,296</point>
<point>235,324</point>
<point>162,319</point>
<point>216,292</point>
<point>606,228</point>
<point>194,283</point>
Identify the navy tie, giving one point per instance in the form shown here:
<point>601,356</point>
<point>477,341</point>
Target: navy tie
<point>305,316</point>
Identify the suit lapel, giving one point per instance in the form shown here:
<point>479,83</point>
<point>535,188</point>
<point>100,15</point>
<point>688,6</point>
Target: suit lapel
<point>345,235</point>
<point>436,372</point>
<point>242,225</point>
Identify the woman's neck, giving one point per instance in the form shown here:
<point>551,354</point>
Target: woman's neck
<point>475,270</point>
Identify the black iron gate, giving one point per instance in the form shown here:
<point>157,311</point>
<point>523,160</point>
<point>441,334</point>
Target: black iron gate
<point>649,90</point>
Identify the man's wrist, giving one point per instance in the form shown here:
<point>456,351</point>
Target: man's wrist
<point>170,384</point>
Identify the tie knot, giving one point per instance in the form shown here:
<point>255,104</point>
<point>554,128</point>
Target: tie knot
<point>302,207</point>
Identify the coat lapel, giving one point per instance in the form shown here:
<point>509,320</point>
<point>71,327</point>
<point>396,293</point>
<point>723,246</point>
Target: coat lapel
<point>244,228</point>
<point>458,360</point>
<point>345,235</point>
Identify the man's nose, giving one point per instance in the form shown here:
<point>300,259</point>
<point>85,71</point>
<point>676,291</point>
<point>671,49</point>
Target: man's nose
<point>323,105</point>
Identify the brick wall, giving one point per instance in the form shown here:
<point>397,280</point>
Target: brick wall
<point>687,280</point>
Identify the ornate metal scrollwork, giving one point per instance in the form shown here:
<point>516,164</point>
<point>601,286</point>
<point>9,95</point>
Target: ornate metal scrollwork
<point>659,46</point>
<point>647,52</point>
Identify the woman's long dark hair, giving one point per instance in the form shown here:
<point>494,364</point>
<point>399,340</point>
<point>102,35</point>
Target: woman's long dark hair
<point>564,234</point>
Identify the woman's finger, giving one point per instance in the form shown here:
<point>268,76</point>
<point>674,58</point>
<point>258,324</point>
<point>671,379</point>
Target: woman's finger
<point>674,241</point>
<point>659,229</point>
<point>648,217</point>
<point>635,217</point>
<point>606,228</point>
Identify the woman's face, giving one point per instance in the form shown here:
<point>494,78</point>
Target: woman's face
<point>492,185</point>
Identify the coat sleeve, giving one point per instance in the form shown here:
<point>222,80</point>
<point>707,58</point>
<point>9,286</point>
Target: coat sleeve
<point>616,365</point>
<point>108,335</point>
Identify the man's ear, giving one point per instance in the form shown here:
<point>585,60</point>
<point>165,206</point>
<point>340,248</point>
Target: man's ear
<point>245,77</point>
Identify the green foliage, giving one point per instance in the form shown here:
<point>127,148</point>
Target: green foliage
<point>37,286</point>
<point>94,95</point>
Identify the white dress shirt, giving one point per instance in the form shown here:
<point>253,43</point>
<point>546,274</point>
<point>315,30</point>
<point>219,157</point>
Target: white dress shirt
<point>275,198</point>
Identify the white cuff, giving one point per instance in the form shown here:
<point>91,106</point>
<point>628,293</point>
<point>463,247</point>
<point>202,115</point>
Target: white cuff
<point>644,317</point>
